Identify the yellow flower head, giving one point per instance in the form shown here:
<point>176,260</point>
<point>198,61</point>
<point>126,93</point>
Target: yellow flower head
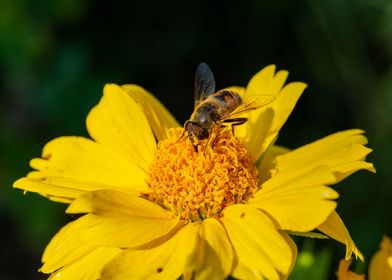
<point>380,266</point>
<point>199,184</point>
<point>156,207</point>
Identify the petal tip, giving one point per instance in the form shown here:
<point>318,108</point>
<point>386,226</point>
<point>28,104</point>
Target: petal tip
<point>109,88</point>
<point>270,66</point>
<point>371,168</point>
<point>18,184</point>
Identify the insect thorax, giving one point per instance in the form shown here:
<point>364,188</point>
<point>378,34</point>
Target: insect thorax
<point>207,114</point>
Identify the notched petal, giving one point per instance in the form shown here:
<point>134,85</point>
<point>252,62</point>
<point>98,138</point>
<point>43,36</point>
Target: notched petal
<point>335,228</point>
<point>159,118</point>
<point>119,124</point>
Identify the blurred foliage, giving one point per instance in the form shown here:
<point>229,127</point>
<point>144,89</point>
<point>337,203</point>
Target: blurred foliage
<point>55,57</point>
<point>312,264</point>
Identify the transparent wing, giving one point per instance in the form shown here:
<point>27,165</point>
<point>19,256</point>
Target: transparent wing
<point>252,102</point>
<point>204,83</point>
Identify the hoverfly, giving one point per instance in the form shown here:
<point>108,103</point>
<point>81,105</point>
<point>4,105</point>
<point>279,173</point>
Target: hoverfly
<point>217,108</point>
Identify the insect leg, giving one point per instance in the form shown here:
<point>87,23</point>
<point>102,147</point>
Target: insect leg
<point>235,122</point>
<point>190,135</point>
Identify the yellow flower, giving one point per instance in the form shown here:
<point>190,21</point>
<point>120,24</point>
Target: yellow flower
<point>380,266</point>
<point>345,274</point>
<point>162,210</point>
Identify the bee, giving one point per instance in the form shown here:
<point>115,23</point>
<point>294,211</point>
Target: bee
<point>219,108</point>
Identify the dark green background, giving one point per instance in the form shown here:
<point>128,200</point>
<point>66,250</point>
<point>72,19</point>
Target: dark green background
<point>56,56</point>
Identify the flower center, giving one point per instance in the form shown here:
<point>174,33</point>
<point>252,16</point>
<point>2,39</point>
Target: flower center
<point>198,184</point>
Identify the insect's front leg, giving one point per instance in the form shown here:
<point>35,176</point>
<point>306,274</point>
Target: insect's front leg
<point>192,139</point>
<point>211,140</point>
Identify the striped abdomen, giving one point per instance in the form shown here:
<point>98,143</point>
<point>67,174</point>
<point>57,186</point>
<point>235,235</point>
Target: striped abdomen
<point>227,101</point>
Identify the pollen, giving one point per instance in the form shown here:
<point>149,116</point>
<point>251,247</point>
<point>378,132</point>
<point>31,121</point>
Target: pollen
<point>198,182</point>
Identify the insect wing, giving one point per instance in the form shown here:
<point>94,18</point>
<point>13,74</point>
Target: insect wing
<point>252,102</point>
<point>204,83</point>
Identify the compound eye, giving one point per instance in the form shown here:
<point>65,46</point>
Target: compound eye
<point>204,134</point>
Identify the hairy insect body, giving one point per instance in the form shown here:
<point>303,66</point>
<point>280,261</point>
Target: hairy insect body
<point>220,108</point>
<point>215,108</point>
<point>210,112</point>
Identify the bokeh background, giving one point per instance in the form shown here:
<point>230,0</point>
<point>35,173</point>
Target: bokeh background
<point>56,56</point>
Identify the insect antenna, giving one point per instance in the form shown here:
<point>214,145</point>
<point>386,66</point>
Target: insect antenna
<point>182,135</point>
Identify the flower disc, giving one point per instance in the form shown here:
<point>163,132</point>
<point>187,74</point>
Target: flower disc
<point>197,182</point>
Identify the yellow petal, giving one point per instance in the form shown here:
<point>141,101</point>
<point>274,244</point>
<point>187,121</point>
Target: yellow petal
<point>113,203</point>
<point>66,247</point>
<point>89,232</point>
<point>267,163</point>
<point>121,220</point>
<point>71,166</point>
<point>157,115</point>
<point>125,232</point>
<point>257,242</point>
<point>258,129</point>
<point>243,272</point>
<point>342,152</point>
<point>59,199</point>
<point>167,261</point>
<point>299,203</point>
<point>380,266</point>
<point>264,82</point>
<point>261,80</point>
<point>217,256</point>
<point>118,123</point>
<point>51,190</point>
<point>88,267</point>
<point>282,108</point>
<point>263,125</point>
<point>294,252</point>
<point>321,175</point>
<point>277,83</point>
<point>335,228</point>
<point>279,110</point>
